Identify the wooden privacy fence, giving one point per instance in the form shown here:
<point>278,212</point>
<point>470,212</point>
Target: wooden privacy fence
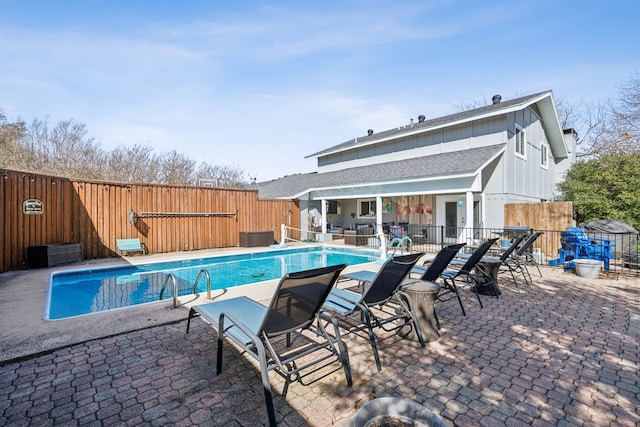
<point>545,216</point>
<point>38,210</point>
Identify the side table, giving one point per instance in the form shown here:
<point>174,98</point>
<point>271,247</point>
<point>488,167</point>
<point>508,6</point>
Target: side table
<point>491,266</point>
<point>423,295</point>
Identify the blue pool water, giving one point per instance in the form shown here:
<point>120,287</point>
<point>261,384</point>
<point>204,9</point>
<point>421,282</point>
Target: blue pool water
<point>79,292</point>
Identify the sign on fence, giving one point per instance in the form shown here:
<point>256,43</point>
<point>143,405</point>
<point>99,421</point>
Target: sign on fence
<point>32,207</point>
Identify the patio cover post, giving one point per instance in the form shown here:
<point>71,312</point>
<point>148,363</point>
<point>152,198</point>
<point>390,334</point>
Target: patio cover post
<point>324,217</point>
<point>381,236</point>
<point>468,222</point>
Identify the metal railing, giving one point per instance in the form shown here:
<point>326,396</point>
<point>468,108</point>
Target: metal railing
<point>431,238</point>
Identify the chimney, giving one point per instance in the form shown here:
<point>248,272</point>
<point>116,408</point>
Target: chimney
<point>420,118</point>
<point>370,132</point>
<point>496,99</point>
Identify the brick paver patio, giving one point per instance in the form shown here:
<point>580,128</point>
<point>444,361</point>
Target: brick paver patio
<point>562,352</point>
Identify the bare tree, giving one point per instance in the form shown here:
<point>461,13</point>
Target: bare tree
<point>137,163</point>
<point>12,153</point>
<point>625,128</point>
<point>470,105</point>
<point>176,169</point>
<point>590,122</point>
<point>612,126</point>
<point>65,150</point>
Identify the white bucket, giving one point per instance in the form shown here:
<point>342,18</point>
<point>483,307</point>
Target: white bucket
<point>588,268</point>
<point>539,257</point>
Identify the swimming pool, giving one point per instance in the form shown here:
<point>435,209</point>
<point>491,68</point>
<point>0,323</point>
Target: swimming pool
<point>80,292</point>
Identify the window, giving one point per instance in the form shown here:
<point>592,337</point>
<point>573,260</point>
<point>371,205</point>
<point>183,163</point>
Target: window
<point>544,155</point>
<point>332,207</point>
<point>520,141</point>
<point>367,208</point>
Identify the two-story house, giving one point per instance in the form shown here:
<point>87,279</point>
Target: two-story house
<point>456,171</point>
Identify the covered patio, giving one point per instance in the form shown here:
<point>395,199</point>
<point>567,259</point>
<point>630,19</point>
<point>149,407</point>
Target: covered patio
<point>563,351</point>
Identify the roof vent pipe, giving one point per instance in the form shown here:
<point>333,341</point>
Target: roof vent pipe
<point>496,99</point>
<point>420,118</point>
<point>370,132</point>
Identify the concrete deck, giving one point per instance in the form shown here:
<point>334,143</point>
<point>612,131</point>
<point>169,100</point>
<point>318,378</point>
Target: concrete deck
<point>564,351</point>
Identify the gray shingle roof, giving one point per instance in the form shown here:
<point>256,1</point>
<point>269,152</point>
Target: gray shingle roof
<point>445,165</point>
<point>431,123</point>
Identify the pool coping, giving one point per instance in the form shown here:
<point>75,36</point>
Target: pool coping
<point>24,333</point>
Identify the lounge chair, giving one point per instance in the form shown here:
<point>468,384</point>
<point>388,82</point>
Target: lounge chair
<point>524,256</point>
<point>266,332</point>
<point>432,269</point>
<point>465,270</point>
<point>381,302</point>
<point>511,261</point>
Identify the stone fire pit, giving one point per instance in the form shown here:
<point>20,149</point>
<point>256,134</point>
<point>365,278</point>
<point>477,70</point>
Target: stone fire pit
<point>396,412</point>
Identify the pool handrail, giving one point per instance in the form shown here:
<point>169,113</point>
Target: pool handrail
<point>175,288</point>
<point>195,284</point>
<point>171,277</point>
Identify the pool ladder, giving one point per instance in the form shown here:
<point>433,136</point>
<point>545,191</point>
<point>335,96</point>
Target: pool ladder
<point>398,242</point>
<point>171,277</point>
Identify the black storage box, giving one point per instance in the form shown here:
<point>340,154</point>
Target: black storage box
<point>53,255</point>
<point>249,239</point>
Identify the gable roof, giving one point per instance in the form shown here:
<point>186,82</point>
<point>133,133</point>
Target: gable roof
<point>444,166</point>
<point>545,104</point>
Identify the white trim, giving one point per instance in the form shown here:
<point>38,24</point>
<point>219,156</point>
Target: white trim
<point>369,200</point>
<point>544,147</point>
<point>440,203</point>
<point>520,133</point>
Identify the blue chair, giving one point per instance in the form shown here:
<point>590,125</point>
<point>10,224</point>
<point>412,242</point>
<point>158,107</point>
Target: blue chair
<point>576,245</point>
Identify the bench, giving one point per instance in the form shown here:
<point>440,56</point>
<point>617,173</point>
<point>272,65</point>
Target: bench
<point>129,245</point>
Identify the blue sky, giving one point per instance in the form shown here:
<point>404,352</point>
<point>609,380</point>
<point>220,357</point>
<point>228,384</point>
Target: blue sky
<point>262,84</point>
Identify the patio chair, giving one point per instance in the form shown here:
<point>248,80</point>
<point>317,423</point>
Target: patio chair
<point>432,269</point>
<point>576,244</point>
<point>524,255</point>
<point>381,302</point>
<point>466,271</point>
<point>290,329</point>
